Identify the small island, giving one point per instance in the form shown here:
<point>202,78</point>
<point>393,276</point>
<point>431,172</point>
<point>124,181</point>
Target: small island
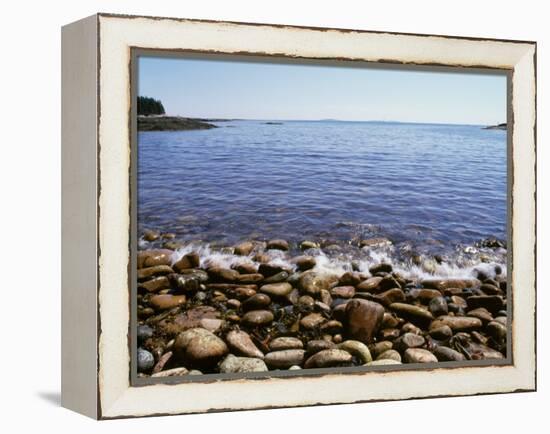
<point>152,117</point>
<point>502,126</point>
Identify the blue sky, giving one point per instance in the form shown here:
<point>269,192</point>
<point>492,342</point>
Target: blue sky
<point>254,90</point>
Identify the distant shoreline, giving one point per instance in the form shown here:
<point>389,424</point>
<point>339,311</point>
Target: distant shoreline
<point>173,123</point>
<point>503,126</point>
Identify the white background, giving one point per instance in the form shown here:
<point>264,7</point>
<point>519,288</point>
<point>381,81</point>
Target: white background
<point>30,215</point>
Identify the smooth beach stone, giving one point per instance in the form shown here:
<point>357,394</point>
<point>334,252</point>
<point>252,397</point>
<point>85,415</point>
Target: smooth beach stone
<point>306,301</point>
<point>415,314</point>
<point>162,362</point>
<point>459,301</point>
<point>442,284</point>
<point>305,245</point>
<point>276,278</point>
<point>457,323</point>
<point>387,282</point>
<point>249,278</point>
<point>277,245</point>
<point>257,301</point>
<point>244,248</point>
<point>311,321</point>
<point>491,289</point>
<point>190,260</point>
<point>145,360</point>
<point>493,303</point>
<point>257,317</point>
<point>236,365</point>
<point>218,274</point>
<point>382,362</point>
<point>357,349</point>
<point>150,235</point>
<point>446,354</point>
<point>205,351</point>
<point>153,257</point>
<point>269,270</point>
<point>316,345</point>
<point>502,319</point>
<point>304,263</point>
<point>155,284</point>
<point>394,295</point>
<point>157,270</point>
<point>389,334</point>
<point>166,301</point>
<point>380,268</point>
<point>410,328</point>
<point>342,292</point>
<point>370,284</point>
<point>379,347</point>
<point>438,306</point>
<point>483,314</point>
<point>286,343</point>
<point>423,294</point>
<point>363,319</point>
<point>375,242</point>
<point>212,324</point>
<point>497,331</point>
<point>312,283</point>
<point>331,327</point>
<point>233,303</point>
<point>351,278</point>
<point>174,372</point>
<point>389,320</point>
<point>419,355</point>
<point>441,333</point>
<point>242,292</point>
<point>284,359</point>
<point>473,350</point>
<point>144,332</point>
<point>328,358</point>
<point>408,340</point>
<point>188,282</point>
<point>192,318</point>
<point>390,355</point>
<point>184,338</point>
<point>277,289</point>
<point>246,268</point>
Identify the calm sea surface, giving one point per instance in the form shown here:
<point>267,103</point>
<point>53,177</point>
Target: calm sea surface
<point>430,186</point>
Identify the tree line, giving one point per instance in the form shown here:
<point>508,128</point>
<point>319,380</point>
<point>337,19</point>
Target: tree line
<point>149,106</point>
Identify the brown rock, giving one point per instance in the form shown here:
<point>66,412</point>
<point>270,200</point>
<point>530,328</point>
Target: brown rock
<point>415,314</point>
<point>483,314</point>
<point>153,257</point>
<point>246,268</point>
<point>304,263</point>
<point>442,284</point>
<point>380,268</point>
<point>424,294</point>
<point>408,340</point>
<point>285,343</point>
<point>446,354</point>
<point>419,355</point>
<point>441,333</point>
<point>241,343</point>
<point>390,355</point>
<point>257,301</point>
<point>166,301</point>
<point>328,358</point>
<point>218,274</point>
<point>284,359</point>
<point>244,249</point>
<point>457,323</point>
<point>343,292</point>
<point>493,303</point>
<point>157,270</point>
<point>350,278</point>
<point>363,319</point>
<point>249,278</point>
<point>312,283</point>
<point>277,245</point>
<point>149,235</point>
<point>205,351</point>
<point>369,285</point>
<point>311,321</point>
<point>155,284</point>
<point>280,290</point>
<point>257,317</point>
<point>191,260</point>
<point>394,295</point>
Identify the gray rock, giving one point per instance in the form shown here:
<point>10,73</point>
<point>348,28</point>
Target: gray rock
<point>241,343</point>
<point>390,355</point>
<point>284,359</point>
<point>145,360</point>
<point>144,332</point>
<point>234,365</point>
<point>419,355</point>
<point>357,349</point>
<point>328,358</point>
<point>286,343</point>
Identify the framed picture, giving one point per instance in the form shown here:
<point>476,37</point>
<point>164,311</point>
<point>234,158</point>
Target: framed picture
<point>261,216</point>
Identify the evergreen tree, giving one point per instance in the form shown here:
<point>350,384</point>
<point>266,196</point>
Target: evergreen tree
<point>149,106</point>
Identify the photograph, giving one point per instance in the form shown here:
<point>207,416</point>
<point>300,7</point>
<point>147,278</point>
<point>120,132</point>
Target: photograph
<point>295,215</point>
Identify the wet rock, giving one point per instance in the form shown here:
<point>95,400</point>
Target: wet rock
<point>446,354</point>
<point>305,245</point>
<point>342,292</point>
<point>276,278</point>
<point>246,268</point>
<point>424,294</point>
<point>284,359</point>
<point>328,358</point>
<point>255,318</point>
<point>350,279</point>
<point>144,332</point>
<point>441,333</point>
<point>286,343</point>
<point>154,257</point>
<point>459,301</point>
<point>311,321</point>
<point>256,302</point>
<point>408,340</point>
<point>269,270</point>
<point>483,314</point>
<point>166,301</point>
<point>331,327</point>
<point>387,282</point>
<point>375,242</point>
<point>280,290</point>
<point>312,283</point>
<point>145,360</point>
<point>390,355</point>
<point>379,347</point>
<point>389,320</point>
<point>380,268</point>
<point>249,278</point>
<point>277,245</point>
<point>394,295</point>
<point>306,301</point>
<point>369,285</point>
<point>304,263</point>
<point>410,328</point>
<point>188,282</point>
<point>357,349</point>
<point>497,331</point>
<point>419,355</point>
<point>244,249</point>
<point>389,334</point>
<point>363,319</point>
<point>316,345</point>
<point>157,270</point>
<point>242,292</point>
<point>150,235</point>
<point>236,365</point>
<point>490,289</point>
<point>191,260</point>
<point>199,348</point>
<point>155,284</point>
<point>174,372</point>
<point>438,306</point>
<point>493,303</point>
<point>218,274</point>
<point>443,284</point>
<point>457,323</point>
<point>415,314</point>
<point>463,343</point>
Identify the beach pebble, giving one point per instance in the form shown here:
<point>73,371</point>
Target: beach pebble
<point>311,321</point>
<point>144,332</point>
<point>389,355</point>
<point>277,245</point>
<point>441,333</point>
<point>446,354</point>
<point>150,235</point>
<point>493,303</point>
<point>284,359</point>
<point>363,319</point>
<point>416,314</point>
<point>304,263</point>
<point>190,260</point>
<point>282,276</point>
<point>166,301</point>
<point>342,292</point>
<point>155,284</point>
<point>438,306</point>
<point>234,365</point>
<point>219,274</point>
<point>316,345</point>
<point>277,289</point>
<point>357,349</point>
<point>145,360</point>
<point>154,257</point>
<point>370,284</point>
<point>380,268</point>
<point>257,301</point>
<point>257,317</point>
<point>244,248</point>
<point>419,355</point>
<point>328,358</point>
<point>157,270</point>
<point>204,351</point>
<point>312,283</point>
<point>457,323</point>
<point>305,245</point>
<point>286,343</point>
<point>408,340</point>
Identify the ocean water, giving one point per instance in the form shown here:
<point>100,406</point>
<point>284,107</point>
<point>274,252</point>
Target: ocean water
<point>431,189</point>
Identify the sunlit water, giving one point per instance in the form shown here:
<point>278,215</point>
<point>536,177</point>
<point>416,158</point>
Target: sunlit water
<point>430,189</point>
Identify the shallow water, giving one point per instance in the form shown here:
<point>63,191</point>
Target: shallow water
<point>436,189</point>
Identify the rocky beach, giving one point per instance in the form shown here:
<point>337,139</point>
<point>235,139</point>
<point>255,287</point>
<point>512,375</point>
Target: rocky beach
<point>264,305</point>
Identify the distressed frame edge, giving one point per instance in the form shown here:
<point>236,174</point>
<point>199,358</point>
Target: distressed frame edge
<point>529,386</point>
